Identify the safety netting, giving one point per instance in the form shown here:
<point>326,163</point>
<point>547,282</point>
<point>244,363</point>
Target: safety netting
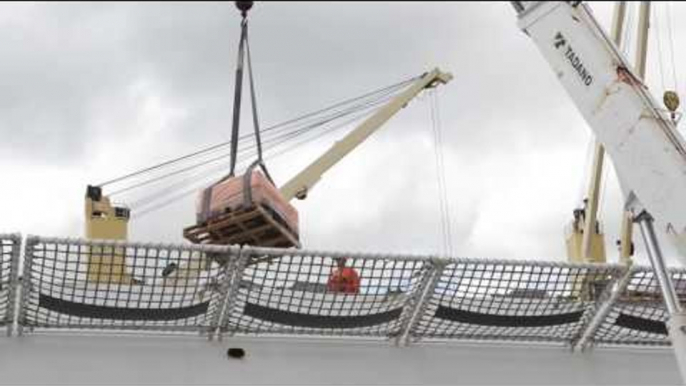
<point>203,289</point>
<point>509,300</point>
<point>10,245</point>
<point>323,293</point>
<point>75,284</point>
<point>638,315</point>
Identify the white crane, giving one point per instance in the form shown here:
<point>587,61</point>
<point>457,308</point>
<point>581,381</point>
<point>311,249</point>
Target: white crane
<point>648,153</point>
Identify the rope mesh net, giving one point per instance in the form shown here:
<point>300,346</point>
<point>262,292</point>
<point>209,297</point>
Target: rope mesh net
<point>638,316</point>
<point>9,255</point>
<point>512,301</point>
<point>105,285</point>
<point>292,292</point>
<point>135,287</point>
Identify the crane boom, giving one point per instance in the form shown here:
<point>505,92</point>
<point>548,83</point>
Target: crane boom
<point>303,182</point>
<point>648,153</point>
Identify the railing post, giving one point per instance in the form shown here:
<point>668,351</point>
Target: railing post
<point>604,309</point>
<point>13,282</point>
<point>233,285</point>
<point>223,288</point>
<point>419,303</point>
<point>25,288</point>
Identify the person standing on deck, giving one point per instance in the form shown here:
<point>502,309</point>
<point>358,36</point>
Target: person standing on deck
<point>343,279</point>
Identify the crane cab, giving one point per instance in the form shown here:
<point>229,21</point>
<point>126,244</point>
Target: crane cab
<point>104,221</point>
<point>244,210</point>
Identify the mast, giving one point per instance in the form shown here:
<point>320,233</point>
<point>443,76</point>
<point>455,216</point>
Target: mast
<point>591,217</point>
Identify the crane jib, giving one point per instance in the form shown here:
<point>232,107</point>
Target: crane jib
<point>560,42</point>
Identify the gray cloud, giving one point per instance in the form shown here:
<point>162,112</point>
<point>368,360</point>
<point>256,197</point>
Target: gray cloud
<point>91,91</point>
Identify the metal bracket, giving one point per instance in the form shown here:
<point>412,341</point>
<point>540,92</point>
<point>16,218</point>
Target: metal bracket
<point>13,282</point>
<point>232,286</point>
<point>419,303</point>
<point>25,289</point>
<point>603,310</point>
<point>223,289</point>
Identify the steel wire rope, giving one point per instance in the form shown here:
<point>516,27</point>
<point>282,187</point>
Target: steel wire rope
<point>291,121</point>
<point>145,211</point>
<point>668,11</point>
<point>340,125</point>
<point>440,171</point>
<point>140,204</point>
<point>288,135</point>
<point>658,38</point>
<point>339,114</point>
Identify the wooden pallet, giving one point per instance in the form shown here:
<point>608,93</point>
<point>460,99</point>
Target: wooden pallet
<point>257,225</point>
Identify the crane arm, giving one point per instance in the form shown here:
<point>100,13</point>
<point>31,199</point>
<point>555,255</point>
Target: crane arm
<point>303,182</point>
<point>648,153</point>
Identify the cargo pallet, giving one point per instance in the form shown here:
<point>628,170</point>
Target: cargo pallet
<point>256,225</point>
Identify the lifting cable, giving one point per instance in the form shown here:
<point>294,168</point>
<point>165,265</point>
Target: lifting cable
<point>671,46</point>
<point>281,138</point>
<point>382,92</point>
<point>444,206</point>
<point>245,59</point>
<point>142,207</point>
<point>204,173</point>
<point>658,44</point>
<point>670,87</point>
<point>360,111</point>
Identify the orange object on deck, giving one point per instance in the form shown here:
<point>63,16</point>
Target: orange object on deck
<point>344,279</point>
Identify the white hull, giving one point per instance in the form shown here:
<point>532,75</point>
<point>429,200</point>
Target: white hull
<point>47,359</point>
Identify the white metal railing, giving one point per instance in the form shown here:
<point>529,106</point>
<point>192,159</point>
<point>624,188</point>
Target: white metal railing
<point>10,246</point>
<point>285,292</point>
<point>106,285</point>
<point>74,284</point>
<point>637,314</point>
<point>509,300</point>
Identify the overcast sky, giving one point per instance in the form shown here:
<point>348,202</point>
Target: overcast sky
<point>90,91</point>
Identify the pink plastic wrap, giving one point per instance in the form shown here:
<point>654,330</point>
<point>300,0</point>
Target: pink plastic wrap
<point>230,195</point>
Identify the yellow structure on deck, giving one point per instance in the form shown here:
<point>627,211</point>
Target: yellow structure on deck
<point>575,241</point>
<point>106,222</point>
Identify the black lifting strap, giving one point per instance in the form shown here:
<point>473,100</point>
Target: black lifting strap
<point>237,96</point>
<point>243,54</point>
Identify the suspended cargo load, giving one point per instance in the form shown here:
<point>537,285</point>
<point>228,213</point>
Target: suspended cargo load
<point>245,210</point>
<point>248,209</point>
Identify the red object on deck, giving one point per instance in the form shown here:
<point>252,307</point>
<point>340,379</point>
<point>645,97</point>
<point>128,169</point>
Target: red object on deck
<point>344,280</point>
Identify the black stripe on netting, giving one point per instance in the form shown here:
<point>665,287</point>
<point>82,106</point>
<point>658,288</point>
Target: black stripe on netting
<point>318,321</point>
<point>462,316</point>
<point>641,324</point>
<point>512,301</point>
<point>639,315</point>
<point>123,286</point>
<point>296,292</point>
<point>119,313</point>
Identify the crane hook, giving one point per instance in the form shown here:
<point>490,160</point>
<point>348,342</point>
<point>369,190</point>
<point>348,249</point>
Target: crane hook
<point>244,7</point>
